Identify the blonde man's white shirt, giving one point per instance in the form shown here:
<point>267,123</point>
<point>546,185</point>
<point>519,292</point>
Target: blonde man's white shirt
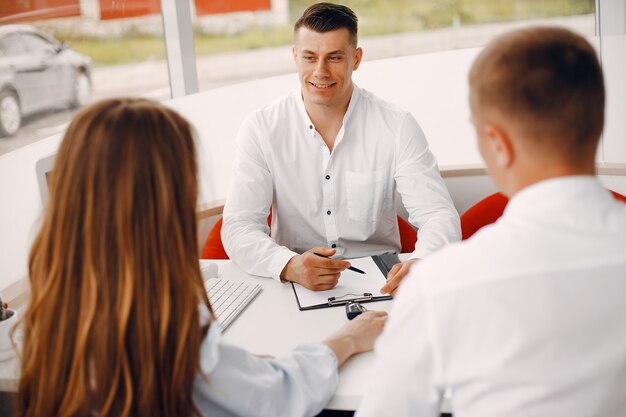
<point>346,199</point>
<point>527,318</point>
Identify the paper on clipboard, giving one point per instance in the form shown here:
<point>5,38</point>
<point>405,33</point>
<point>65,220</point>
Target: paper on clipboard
<point>352,286</point>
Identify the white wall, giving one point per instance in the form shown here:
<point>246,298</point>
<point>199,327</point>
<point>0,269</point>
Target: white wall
<point>614,66</point>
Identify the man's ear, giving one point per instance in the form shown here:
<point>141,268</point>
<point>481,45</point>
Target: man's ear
<point>357,58</point>
<point>500,145</point>
<point>295,54</point>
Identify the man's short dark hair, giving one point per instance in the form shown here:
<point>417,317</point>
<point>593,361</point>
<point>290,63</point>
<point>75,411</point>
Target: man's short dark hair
<point>326,17</point>
<point>549,81</point>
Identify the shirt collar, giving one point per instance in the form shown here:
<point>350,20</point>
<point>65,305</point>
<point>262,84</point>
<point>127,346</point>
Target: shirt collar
<point>555,191</point>
<point>356,95</point>
<point>297,96</point>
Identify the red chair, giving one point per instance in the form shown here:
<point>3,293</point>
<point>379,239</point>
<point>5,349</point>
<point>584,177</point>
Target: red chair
<point>214,249</point>
<point>485,212</point>
<point>489,209</point>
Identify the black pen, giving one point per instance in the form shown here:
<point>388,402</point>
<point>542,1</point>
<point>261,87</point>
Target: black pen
<point>351,268</point>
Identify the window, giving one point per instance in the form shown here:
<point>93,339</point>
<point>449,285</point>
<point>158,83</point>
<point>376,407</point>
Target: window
<point>241,40</point>
<point>256,43</point>
<point>36,43</point>
<point>11,46</point>
<point>63,54</point>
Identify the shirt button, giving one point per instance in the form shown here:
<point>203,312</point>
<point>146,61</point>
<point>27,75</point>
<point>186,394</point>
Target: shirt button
<point>328,212</point>
<point>333,246</point>
<point>327,177</point>
<point>311,127</point>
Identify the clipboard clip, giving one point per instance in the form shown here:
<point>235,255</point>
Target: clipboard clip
<point>344,299</point>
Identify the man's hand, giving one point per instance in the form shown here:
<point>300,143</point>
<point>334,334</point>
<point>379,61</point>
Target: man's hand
<point>314,272</point>
<point>396,275</point>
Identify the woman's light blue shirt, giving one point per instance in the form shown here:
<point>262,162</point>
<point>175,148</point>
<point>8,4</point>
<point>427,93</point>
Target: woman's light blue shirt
<point>234,382</point>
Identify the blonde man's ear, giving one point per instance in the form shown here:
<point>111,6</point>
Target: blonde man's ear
<point>500,145</point>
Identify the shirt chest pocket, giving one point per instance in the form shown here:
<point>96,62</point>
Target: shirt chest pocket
<point>366,195</point>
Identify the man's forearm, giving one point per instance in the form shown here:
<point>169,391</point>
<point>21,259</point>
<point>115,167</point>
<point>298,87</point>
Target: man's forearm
<point>254,250</point>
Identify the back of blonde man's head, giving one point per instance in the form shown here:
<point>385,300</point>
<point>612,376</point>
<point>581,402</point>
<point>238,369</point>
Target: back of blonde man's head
<point>548,84</point>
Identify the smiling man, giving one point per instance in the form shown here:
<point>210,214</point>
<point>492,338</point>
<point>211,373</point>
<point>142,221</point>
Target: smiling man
<point>328,160</point>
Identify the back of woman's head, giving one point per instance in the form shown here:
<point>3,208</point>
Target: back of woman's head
<point>113,325</point>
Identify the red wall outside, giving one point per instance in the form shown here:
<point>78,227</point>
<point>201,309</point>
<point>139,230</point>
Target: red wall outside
<point>13,11</point>
<point>27,10</point>
<point>225,6</point>
<point>116,9</point>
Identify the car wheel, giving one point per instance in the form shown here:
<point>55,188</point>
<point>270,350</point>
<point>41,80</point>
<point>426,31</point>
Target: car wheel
<point>82,90</point>
<point>10,113</point>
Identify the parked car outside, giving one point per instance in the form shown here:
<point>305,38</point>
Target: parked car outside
<point>37,73</point>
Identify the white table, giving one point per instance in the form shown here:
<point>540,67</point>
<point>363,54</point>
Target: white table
<point>272,324</point>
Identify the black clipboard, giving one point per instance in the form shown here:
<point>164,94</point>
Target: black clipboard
<point>386,261</point>
<point>382,262</point>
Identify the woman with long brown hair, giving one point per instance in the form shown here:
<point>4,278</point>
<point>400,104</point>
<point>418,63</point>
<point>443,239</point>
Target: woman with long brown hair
<point>119,323</point>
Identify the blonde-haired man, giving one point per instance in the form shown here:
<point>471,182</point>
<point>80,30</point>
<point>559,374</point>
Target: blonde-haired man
<point>528,317</point>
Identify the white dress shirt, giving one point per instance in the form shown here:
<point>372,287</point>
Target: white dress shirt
<point>527,318</point>
<point>345,199</point>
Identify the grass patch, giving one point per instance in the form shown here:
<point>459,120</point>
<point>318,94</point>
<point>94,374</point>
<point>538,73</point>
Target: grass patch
<point>251,39</point>
<point>119,51</point>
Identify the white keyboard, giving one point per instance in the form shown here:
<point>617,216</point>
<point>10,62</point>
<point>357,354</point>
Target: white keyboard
<point>229,298</point>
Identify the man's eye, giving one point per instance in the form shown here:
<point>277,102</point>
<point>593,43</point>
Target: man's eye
<point>307,58</point>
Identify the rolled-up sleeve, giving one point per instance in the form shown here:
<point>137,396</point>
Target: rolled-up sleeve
<point>239,383</point>
<point>245,232</point>
<point>423,191</point>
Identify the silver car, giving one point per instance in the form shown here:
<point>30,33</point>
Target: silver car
<point>37,73</point>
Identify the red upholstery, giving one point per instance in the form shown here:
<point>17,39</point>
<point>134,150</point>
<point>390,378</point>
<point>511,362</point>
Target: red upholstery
<point>489,209</point>
<point>485,212</point>
<point>214,249</point>
<point>618,196</point>
<point>408,236</point>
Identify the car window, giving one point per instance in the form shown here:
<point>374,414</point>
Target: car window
<point>11,46</point>
<point>35,43</point>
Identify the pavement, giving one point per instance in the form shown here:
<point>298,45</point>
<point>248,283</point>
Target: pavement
<point>150,78</point>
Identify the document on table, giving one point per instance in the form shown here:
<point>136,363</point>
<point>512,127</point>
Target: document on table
<point>352,287</point>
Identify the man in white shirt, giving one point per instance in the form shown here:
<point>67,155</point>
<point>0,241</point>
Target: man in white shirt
<point>527,318</point>
<point>328,159</point>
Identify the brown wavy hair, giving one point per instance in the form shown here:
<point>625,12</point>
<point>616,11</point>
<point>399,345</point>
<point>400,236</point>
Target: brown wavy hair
<point>113,325</point>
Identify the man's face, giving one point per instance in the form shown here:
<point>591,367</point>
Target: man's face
<point>325,63</point>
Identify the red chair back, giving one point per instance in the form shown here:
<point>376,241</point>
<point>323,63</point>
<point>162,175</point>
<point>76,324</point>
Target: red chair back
<point>408,236</point>
<point>489,209</point>
<point>213,248</point>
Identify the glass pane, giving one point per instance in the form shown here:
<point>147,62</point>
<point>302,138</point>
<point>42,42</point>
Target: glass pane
<point>58,55</point>
<point>11,46</point>
<point>34,43</point>
<point>251,39</point>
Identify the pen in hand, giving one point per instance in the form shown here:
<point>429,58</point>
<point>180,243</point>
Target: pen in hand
<point>351,268</point>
